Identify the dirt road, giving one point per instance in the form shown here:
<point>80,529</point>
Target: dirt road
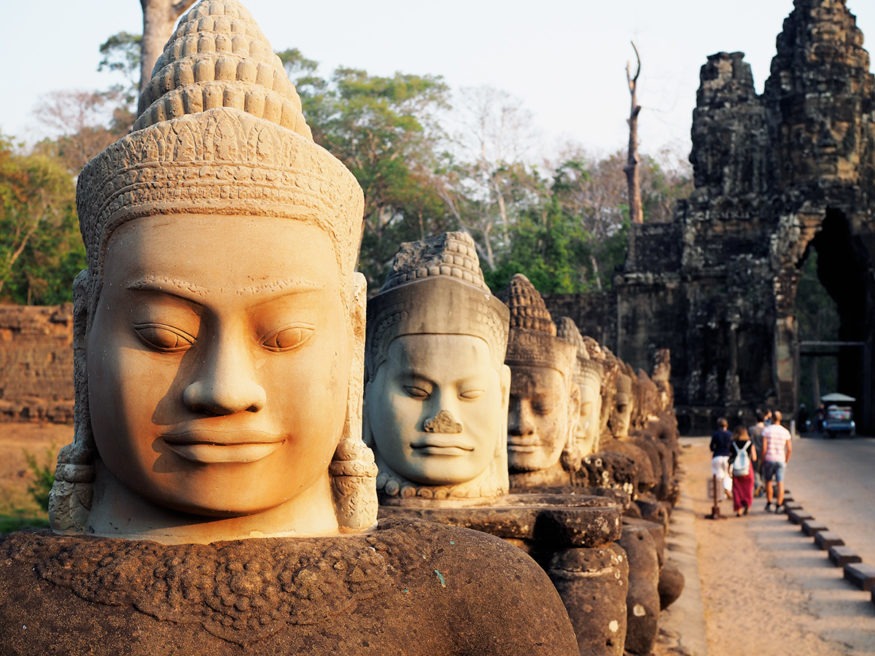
<point>757,584</point>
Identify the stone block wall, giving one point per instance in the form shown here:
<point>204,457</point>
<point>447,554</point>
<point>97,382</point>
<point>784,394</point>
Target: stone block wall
<point>36,363</point>
<point>594,314</point>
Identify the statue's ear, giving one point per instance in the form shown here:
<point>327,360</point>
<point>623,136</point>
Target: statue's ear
<point>355,388</point>
<point>573,410</point>
<point>353,471</point>
<point>367,433</point>
<point>504,383</point>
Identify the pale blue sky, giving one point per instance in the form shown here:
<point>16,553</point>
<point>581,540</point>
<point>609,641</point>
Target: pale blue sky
<point>563,59</point>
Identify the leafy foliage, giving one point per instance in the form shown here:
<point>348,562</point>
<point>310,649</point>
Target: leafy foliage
<point>42,471</point>
<point>40,247</point>
<point>385,130</point>
<point>562,222</point>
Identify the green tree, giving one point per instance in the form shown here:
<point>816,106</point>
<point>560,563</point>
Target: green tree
<point>385,130</point>
<point>39,237</point>
<point>121,54</point>
<point>492,183</point>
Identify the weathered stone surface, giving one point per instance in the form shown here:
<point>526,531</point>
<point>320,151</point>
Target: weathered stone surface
<point>798,516</point>
<point>545,522</point>
<point>842,555</point>
<point>811,527</point>
<point>611,469</point>
<point>777,176</point>
<point>593,584</point>
<point>861,575</point>
<point>827,539</point>
<point>218,496</point>
<point>407,588</point>
<point>36,361</point>
<point>434,321</point>
<point>671,584</point>
<point>543,366</point>
<point>642,602</point>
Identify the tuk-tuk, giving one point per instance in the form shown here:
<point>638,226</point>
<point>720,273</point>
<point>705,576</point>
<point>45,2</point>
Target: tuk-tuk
<point>839,417</point>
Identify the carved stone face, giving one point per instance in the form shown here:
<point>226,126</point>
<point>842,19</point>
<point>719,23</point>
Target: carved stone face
<point>621,415</point>
<point>538,418</point>
<point>588,429</point>
<point>217,362</point>
<point>435,408</point>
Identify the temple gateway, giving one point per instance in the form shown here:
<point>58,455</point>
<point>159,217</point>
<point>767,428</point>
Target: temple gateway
<point>779,176</point>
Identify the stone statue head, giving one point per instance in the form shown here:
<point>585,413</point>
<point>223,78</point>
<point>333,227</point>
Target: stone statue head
<point>588,376</point>
<point>219,327</point>
<point>544,397</point>
<point>624,400</point>
<point>437,391</point>
<point>611,367</point>
<point>661,375</point>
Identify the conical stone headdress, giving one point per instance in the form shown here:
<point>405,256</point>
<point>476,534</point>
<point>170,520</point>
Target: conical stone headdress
<point>587,369</point>
<point>435,286</point>
<point>533,337</point>
<point>220,132</point>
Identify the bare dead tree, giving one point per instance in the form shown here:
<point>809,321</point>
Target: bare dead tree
<point>159,16</point>
<point>633,175</point>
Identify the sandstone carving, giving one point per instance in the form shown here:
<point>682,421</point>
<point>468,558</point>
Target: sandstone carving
<point>588,377</point>
<point>625,441</point>
<point>544,396</point>
<point>218,496</point>
<point>437,391</point>
<point>780,177</point>
<point>436,402</point>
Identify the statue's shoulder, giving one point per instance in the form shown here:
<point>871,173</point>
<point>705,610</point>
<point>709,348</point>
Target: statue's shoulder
<point>483,583</point>
<point>408,586</point>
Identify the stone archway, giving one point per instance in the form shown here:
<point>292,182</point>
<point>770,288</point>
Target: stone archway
<point>777,175</point>
<point>844,269</point>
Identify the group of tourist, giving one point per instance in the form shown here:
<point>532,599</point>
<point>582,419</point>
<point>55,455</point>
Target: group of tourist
<point>751,460</point>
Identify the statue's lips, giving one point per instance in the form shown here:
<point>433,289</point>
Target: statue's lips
<point>517,444</point>
<point>442,445</point>
<point>211,447</point>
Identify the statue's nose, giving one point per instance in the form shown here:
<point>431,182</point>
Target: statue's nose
<point>442,422</point>
<point>225,383</point>
<point>520,418</point>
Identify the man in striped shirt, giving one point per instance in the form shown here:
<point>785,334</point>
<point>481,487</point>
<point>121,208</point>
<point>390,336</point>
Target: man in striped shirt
<point>777,447</point>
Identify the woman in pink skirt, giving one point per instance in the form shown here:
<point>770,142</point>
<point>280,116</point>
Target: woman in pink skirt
<point>742,455</point>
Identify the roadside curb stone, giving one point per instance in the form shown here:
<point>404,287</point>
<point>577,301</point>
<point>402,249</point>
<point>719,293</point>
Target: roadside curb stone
<point>862,576</point>
<point>827,539</point>
<point>812,526</point>
<point>842,555</point>
<point>798,516</point>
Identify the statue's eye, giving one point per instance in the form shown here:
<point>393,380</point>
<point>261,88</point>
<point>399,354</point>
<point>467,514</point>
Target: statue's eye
<point>471,394</point>
<point>288,338</point>
<point>162,337</point>
<point>416,392</point>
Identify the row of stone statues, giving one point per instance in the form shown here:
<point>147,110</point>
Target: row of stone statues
<point>490,415</point>
<point>220,495</point>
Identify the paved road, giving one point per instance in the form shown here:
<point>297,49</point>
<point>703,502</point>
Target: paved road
<point>834,480</point>
<point>812,607</point>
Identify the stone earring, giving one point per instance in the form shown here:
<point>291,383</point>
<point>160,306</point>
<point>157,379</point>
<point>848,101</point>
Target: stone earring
<point>353,470</point>
<point>71,494</point>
